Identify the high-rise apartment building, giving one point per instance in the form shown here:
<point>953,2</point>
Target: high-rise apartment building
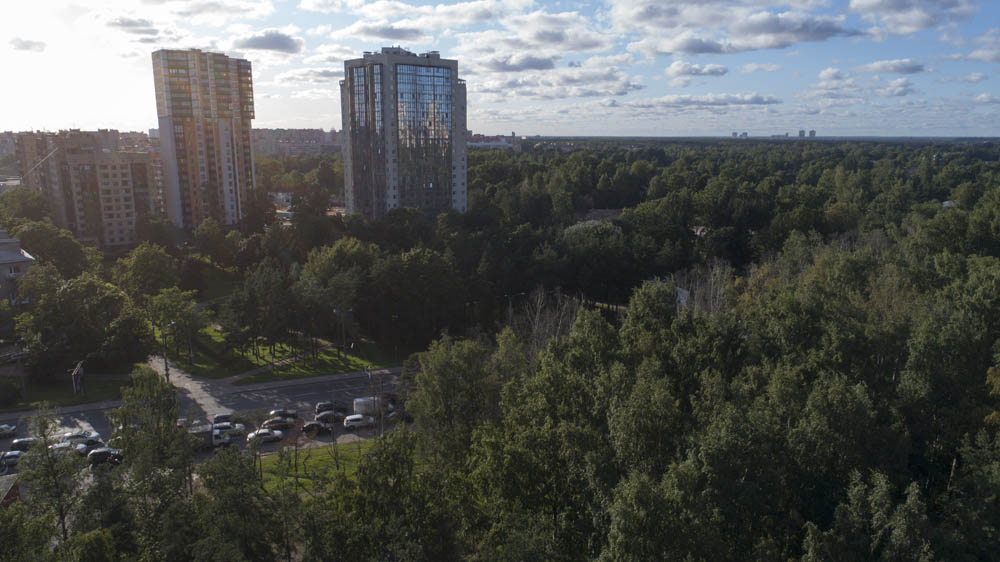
<point>7,140</point>
<point>94,189</point>
<point>204,102</point>
<point>404,128</point>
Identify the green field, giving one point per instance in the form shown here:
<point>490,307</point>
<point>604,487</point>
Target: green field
<point>316,465</point>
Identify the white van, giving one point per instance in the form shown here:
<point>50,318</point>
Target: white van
<point>358,420</point>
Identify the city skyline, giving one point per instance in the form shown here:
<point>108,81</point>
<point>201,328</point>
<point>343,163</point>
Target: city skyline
<point>858,67</point>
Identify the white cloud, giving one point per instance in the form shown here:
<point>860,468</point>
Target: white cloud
<point>316,94</point>
<point>895,66</point>
<point>987,99</point>
<point>683,68</point>
<point>990,49</point>
<point>309,75</point>
<point>329,5</point>
<point>760,67</point>
<point>520,63</point>
<point>903,17</point>
<point>440,16</point>
<point>897,88</point>
<point>973,78</point>
<point>831,73</point>
<point>705,100</point>
<point>764,30</point>
<point>19,44</point>
<point>332,54</point>
<point>375,30</point>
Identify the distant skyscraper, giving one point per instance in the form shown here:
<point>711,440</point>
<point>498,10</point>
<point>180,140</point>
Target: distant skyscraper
<point>812,133</point>
<point>802,133</point>
<point>404,132</point>
<point>204,102</point>
<point>94,189</point>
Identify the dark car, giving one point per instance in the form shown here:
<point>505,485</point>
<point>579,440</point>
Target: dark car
<point>314,427</point>
<point>10,458</point>
<point>323,407</point>
<point>283,413</point>
<point>23,444</point>
<point>222,418</point>
<point>105,455</point>
<point>278,423</point>
<point>330,416</point>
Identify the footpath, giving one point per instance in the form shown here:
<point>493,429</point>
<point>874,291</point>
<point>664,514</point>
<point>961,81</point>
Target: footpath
<point>205,392</point>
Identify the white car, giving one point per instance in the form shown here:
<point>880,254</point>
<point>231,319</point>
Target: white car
<point>358,420</point>
<point>7,430</point>
<point>88,439</point>
<point>265,436</point>
<point>230,428</point>
<point>69,446</point>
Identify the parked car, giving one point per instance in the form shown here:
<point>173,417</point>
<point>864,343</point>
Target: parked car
<point>230,428</point>
<point>283,413</point>
<point>23,444</point>
<point>330,416</point>
<point>7,430</point>
<point>265,436</point>
<point>222,418</point>
<point>278,423</point>
<point>105,455</point>
<point>357,420</point>
<point>89,439</point>
<point>314,427</point>
<point>10,458</point>
<point>69,447</point>
<point>323,407</point>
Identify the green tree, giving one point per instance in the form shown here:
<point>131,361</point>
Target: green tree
<point>25,537</point>
<point>50,244</point>
<point>22,204</point>
<point>178,317</point>
<point>52,475</point>
<point>145,271</point>
<point>158,466</point>
<point>455,392</point>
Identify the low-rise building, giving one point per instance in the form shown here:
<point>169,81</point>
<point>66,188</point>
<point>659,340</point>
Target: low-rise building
<point>14,263</point>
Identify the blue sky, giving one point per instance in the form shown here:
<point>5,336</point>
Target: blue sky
<point>635,67</point>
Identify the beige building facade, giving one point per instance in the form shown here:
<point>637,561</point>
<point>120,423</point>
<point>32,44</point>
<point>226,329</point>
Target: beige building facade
<point>204,104</point>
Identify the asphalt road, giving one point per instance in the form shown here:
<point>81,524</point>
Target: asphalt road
<point>301,395</point>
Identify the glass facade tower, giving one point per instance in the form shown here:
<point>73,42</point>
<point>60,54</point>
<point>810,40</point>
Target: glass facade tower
<point>405,127</point>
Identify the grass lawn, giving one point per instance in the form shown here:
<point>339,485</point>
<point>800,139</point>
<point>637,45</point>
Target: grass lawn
<point>211,359</point>
<point>60,392</point>
<point>316,464</point>
<point>324,363</point>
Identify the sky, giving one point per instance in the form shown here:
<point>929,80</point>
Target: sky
<point>620,68</point>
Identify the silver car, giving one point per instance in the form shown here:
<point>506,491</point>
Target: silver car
<point>7,430</point>
<point>265,436</point>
